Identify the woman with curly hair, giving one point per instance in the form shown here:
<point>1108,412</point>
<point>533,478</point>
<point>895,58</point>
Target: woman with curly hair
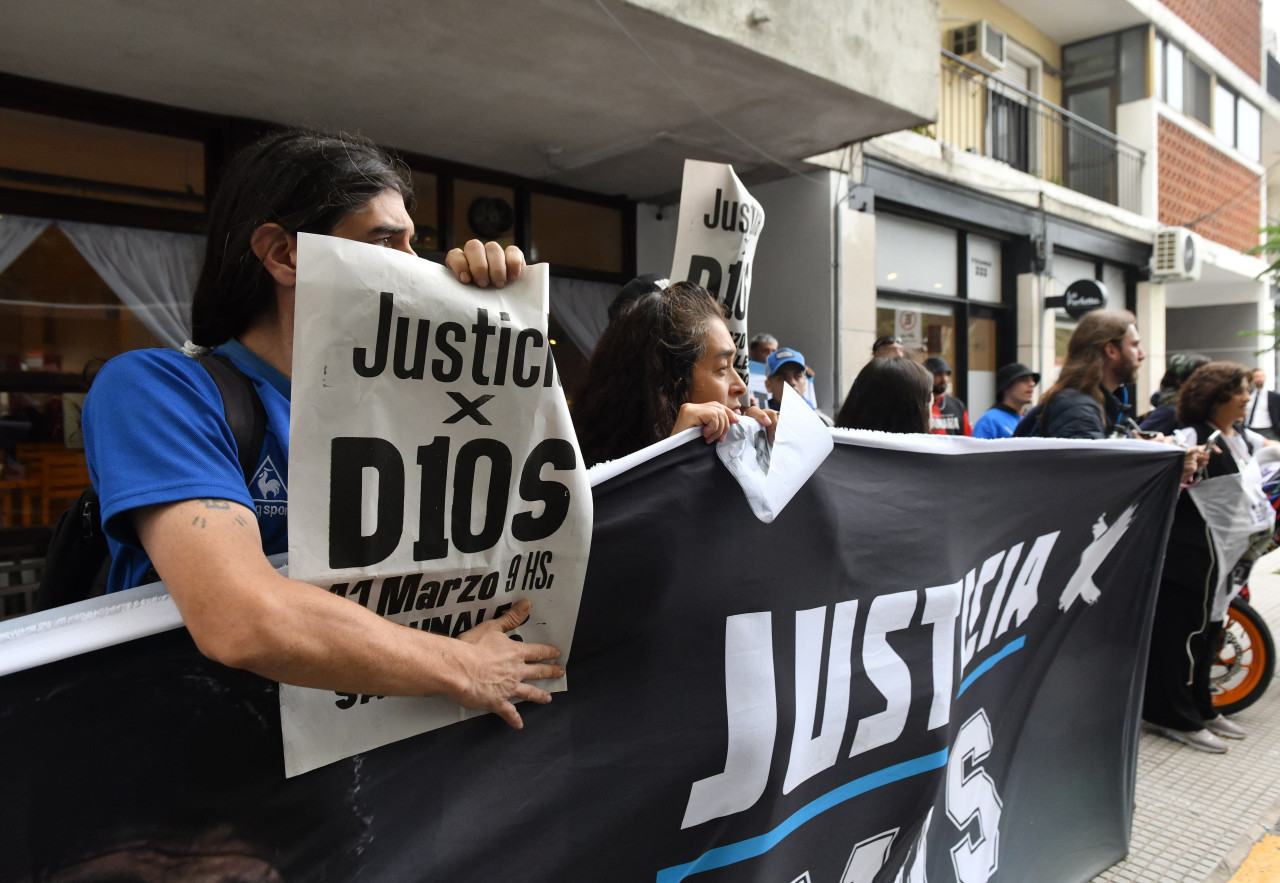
<point>1187,629</point>
<point>663,365</point>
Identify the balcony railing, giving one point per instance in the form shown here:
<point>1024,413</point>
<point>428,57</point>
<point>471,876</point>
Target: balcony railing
<point>981,114</point>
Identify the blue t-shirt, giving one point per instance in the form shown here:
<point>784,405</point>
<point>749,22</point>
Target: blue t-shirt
<point>155,432</point>
<point>998,422</point>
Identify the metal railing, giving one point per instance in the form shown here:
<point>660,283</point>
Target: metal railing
<point>981,114</point>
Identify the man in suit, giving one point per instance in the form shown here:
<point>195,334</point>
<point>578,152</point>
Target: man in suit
<point>1264,407</point>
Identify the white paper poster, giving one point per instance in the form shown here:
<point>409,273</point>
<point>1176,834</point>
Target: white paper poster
<point>770,474</point>
<point>720,223</point>
<point>434,474</point>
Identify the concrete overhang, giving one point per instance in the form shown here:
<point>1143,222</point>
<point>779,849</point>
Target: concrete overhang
<point>1226,277</point>
<point>608,96</point>
<point>1065,23</point>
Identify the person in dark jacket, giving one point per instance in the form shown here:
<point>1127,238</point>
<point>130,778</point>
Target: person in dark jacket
<point>1103,355</point>
<point>1164,417</point>
<point>948,415</point>
<point>1184,635</point>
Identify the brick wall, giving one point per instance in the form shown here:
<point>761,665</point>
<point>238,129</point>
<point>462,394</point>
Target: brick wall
<point>1234,27</point>
<point>1196,179</point>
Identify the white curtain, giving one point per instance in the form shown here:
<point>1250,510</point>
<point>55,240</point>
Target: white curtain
<point>151,271</point>
<point>582,309</point>
<point>16,234</point>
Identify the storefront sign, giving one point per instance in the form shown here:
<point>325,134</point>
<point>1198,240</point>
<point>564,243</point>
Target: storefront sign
<point>1082,296</point>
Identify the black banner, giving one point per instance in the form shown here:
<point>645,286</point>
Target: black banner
<point>929,665</point>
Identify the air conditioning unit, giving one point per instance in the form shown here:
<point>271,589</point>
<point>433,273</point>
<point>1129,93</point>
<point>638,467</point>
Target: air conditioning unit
<point>980,43</point>
<point>1176,256</point>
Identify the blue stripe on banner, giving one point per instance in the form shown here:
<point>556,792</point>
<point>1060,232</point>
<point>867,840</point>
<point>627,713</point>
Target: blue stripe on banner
<point>1008,649</point>
<point>723,856</point>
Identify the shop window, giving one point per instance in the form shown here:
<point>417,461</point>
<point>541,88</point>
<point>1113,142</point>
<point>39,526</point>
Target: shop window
<point>926,329</point>
<point>426,214</point>
<point>483,211</point>
<point>982,366</point>
<point>575,234</point>
<point>72,158</point>
<point>57,317</point>
<point>915,256</point>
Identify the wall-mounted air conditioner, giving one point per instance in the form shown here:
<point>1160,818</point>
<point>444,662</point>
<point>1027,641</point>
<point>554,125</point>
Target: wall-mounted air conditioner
<point>1176,256</point>
<point>980,43</point>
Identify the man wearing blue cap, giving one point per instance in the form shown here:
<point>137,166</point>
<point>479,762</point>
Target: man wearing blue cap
<point>786,365</point>
<point>1015,386</point>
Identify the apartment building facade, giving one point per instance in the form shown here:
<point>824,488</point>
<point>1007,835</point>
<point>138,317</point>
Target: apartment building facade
<point>1071,142</point>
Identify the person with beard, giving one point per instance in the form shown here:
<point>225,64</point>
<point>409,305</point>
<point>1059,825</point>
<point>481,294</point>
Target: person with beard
<point>949,415</point>
<point>1103,355</point>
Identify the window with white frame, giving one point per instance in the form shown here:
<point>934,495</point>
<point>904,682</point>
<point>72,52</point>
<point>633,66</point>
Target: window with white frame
<point>1188,86</point>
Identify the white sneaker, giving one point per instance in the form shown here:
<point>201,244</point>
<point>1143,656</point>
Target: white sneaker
<point>1220,726</point>
<point>1200,740</point>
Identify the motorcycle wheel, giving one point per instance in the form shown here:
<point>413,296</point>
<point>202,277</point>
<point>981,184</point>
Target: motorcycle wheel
<point>1246,661</point>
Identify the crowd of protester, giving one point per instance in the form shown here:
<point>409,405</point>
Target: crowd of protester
<point>664,364</point>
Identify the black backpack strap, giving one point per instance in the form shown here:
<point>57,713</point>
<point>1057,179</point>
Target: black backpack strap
<point>243,408</point>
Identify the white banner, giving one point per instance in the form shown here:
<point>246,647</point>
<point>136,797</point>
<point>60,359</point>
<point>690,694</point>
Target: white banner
<point>720,223</point>
<point>434,474</point>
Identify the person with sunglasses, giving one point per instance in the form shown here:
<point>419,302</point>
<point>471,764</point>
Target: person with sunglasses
<point>888,346</point>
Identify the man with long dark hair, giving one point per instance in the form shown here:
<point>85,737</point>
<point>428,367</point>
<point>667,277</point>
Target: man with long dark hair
<point>164,460</point>
<point>1103,354</point>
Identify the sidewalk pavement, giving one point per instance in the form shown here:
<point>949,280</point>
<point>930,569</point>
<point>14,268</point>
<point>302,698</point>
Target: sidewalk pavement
<point>1198,815</point>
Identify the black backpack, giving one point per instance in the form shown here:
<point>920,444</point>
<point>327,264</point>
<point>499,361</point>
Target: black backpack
<point>77,562</point>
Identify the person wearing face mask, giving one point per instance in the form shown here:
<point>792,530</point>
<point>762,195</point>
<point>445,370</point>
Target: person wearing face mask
<point>949,416</point>
<point>664,364</point>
